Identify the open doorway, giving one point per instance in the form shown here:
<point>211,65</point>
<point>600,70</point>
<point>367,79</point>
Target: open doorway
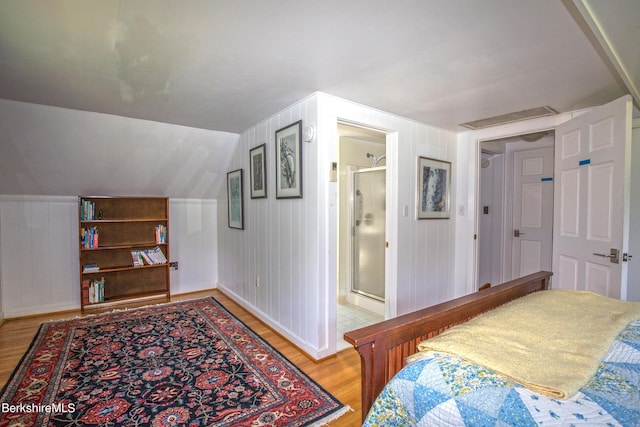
<point>515,205</point>
<point>361,228</point>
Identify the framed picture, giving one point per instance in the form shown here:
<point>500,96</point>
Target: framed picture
<point>434,187</point>
<point>234,199</point>
<point>258,172</point>
<point>289,161</point>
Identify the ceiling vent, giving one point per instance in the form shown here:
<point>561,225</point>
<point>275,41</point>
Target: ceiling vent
<point>531,113</point>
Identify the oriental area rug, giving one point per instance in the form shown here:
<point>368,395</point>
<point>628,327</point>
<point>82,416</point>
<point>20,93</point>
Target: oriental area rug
<point>189,363</point>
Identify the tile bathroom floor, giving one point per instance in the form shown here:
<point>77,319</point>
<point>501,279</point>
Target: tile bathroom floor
<point>352,317</point>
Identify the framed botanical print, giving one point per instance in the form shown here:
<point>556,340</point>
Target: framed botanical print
<point>289,161</point>
<point>258,172</point>
<point>234,197</point>
<point>434,188</point>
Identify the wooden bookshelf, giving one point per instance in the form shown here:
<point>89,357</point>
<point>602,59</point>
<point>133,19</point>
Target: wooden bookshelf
<point>110,230</point>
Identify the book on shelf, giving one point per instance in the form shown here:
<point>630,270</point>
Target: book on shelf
<point>146,257</point>
<point>137,258</point>
<point>150,256</point>
<point>161,233</point>
<point>93,291</point>
<point>90,268</point>
<point>87,210</point>
<point>156,255</point>
<point>89,237</point>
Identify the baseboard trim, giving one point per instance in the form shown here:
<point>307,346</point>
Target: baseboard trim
<point>310,353</point>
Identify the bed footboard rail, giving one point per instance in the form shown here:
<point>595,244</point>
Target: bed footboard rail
<point>384,346</point>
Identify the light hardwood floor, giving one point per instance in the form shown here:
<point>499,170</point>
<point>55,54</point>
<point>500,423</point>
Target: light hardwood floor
<point>339,375</point>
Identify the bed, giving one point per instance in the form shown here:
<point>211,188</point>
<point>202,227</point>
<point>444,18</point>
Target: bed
<point>477,395</point>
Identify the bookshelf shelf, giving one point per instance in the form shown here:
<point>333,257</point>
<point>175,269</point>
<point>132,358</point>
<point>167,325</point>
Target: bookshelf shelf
<point>123,268</point>
<point>123,242</point>
<point>132,246</point>
<point>107,221</point>
<point>120,301</point>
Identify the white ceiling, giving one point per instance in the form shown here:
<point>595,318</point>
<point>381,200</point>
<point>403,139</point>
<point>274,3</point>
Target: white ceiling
<point>218,67</point>
<point>226,65</point>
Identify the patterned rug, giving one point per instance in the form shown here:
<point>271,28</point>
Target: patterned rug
<point>188,363</point>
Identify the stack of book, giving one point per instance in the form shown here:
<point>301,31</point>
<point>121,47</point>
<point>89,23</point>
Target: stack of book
<point>93,291</point>
<point>89,237</point>
<point>90,268</point>
<point>161,234</point>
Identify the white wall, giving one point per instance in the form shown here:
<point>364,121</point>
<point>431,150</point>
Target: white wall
<point>62,152</point>
<point>193,242</point>
<point>1,305</point>
<point>420,266</point>
<point>292,245</point>
<point>633,287</point>
<point>39,252</point>
<point>39,268</point>
<point>282,244</point>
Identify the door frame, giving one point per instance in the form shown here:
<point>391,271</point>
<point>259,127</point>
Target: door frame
<point>391,220</point>
<point>506,225</point>
<point>471,141</point>
<point>468,231</point>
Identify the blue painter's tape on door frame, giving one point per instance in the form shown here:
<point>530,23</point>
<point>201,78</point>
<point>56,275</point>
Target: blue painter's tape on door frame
<point>546,179</point>
<point>584,162</point>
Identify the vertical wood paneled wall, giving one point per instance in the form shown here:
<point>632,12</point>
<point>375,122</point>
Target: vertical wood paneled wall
<point>421,252</point>
<point>272,266</point>
<point>290,246</point>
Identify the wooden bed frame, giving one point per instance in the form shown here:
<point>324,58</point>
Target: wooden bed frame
<point>383,347</point>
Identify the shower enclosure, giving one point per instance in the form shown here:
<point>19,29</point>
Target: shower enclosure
<point>368,232</point>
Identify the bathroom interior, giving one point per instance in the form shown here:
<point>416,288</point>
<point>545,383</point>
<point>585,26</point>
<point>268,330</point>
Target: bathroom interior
<point>361,229</point>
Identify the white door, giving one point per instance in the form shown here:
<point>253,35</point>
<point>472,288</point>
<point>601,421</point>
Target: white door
<point>633,278</point>
<point>591,200</point>
<point>532,211</point>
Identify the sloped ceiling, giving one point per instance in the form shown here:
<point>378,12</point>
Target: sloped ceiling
<point>223,66</point>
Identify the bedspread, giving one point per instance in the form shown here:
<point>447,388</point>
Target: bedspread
<point>444,390</point>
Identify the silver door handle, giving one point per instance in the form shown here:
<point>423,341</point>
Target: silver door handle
<point>613,256</point>
<point>359,202</point>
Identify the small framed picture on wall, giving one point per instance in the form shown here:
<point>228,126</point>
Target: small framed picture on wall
<point>258,172</point>
<point>289,161</point>
<point>434,187</point>
<point>234,199</point>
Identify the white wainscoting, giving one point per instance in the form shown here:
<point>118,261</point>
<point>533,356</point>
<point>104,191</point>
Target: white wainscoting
<point>39,251</point>
<point>193,242</point>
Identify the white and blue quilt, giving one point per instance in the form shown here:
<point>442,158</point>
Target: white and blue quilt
<point>444,390</point>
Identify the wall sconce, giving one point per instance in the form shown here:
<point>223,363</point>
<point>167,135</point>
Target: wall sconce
<point>308,133</point>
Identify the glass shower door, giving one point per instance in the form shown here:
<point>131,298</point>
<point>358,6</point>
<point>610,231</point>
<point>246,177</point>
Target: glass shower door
<point>368,232</point>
